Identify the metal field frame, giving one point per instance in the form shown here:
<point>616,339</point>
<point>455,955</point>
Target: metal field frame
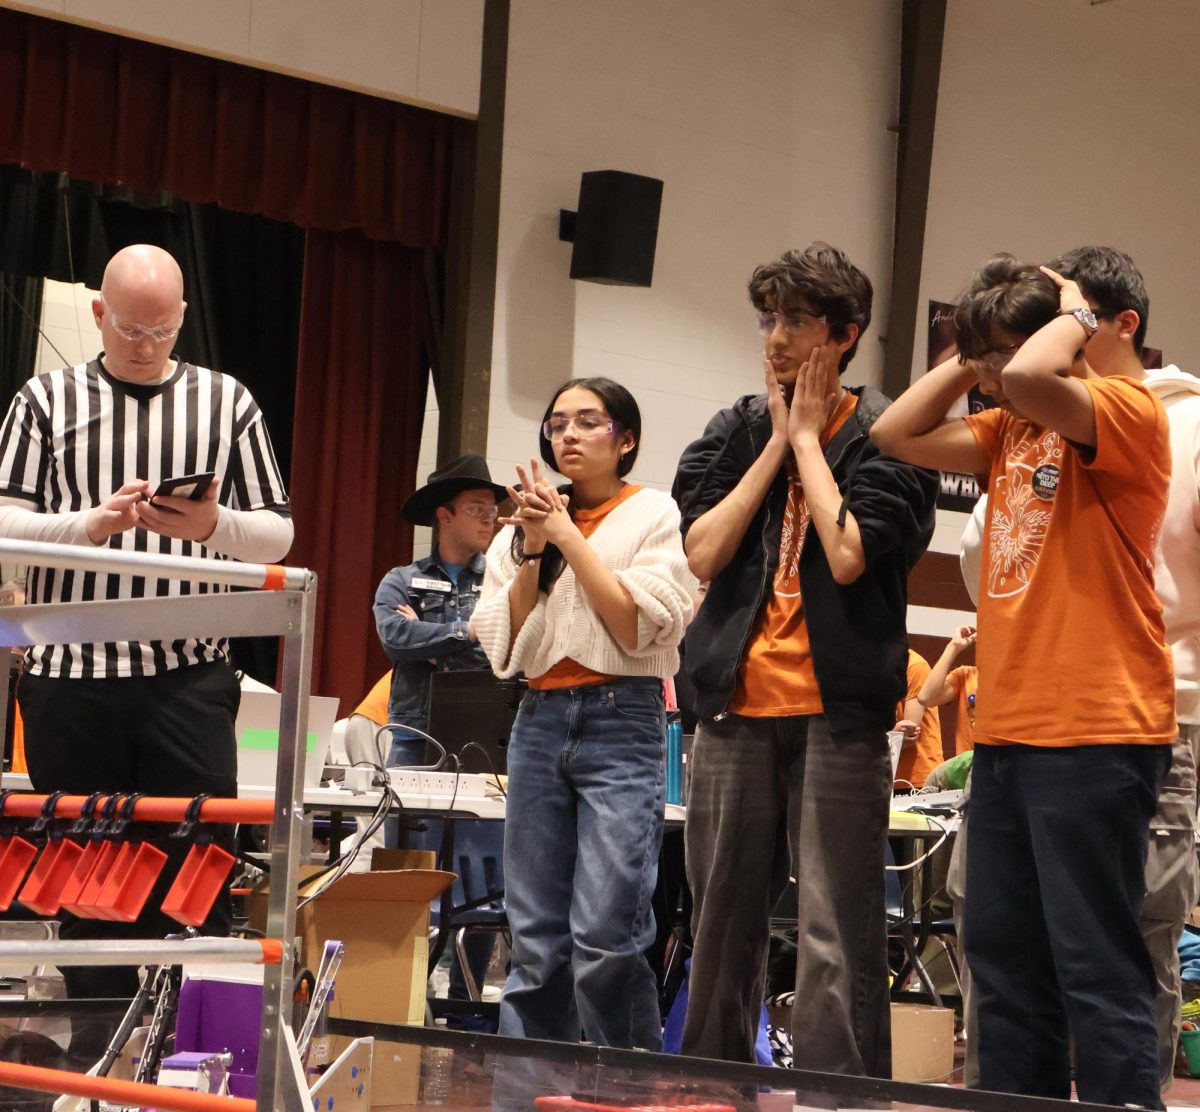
<point>274,601</point>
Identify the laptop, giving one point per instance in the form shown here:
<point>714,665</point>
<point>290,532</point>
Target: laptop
<point>257,730</point>
<point>474,707</point>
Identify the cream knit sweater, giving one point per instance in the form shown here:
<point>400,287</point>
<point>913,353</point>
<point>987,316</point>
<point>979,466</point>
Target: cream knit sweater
<point>639,541</point>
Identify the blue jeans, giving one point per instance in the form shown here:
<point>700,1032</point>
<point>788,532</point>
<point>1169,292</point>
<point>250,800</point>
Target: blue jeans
<point>1055,883</point>
<point>582,835</point>
<point>407,750</point>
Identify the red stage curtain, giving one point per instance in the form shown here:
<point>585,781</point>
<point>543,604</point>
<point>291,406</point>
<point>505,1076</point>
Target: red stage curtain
<point>368,304</point>
<point>369,181</point>
<point>110,109</point>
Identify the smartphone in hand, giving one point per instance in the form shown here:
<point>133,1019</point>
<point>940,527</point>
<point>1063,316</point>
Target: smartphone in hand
<point>182,486</point>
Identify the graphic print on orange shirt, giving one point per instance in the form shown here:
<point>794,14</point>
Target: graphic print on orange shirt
<point>777,676</point>
<point>1020,505</point>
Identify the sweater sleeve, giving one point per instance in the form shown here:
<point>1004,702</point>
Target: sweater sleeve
<point>660,584</point>
<point>491,620</point>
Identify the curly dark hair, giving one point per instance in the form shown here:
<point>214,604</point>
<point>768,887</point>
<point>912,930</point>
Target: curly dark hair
<point>826,281</point>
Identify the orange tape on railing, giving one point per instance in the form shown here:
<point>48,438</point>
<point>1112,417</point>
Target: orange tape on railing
<point>61,1082</point>
<point>272,949</point>
<point>274,578</point>
<point>150,808</point>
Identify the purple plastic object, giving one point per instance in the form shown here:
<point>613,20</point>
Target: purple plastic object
<point>219,1016</point>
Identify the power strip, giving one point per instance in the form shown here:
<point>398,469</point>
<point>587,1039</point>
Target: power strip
<point>405,781</point>
<point>467,785</point>
<point>361,780</point>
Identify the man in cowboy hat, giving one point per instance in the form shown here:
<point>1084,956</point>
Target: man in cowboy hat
<point>422,613</point>
<point>422,610</point>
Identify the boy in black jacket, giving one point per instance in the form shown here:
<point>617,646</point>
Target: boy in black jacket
<point>807,534</point>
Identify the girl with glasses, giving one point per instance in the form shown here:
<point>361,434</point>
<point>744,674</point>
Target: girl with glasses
<point>588,593</point>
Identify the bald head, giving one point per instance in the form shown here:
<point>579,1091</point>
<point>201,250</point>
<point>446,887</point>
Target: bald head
<point>139,311</point>
<point>142,270</point>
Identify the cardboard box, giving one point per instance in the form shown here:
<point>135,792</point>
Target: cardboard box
<point>922,1042</point>
<point>395,1072</point>
<point>382,917</point>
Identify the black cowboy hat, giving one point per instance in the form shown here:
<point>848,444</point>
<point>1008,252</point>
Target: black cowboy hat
<point>469,472</point>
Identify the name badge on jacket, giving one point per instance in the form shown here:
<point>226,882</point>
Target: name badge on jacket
<point>431,585</point>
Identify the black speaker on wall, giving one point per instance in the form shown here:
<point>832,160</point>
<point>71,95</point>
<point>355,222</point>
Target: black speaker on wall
<point>615,230</point>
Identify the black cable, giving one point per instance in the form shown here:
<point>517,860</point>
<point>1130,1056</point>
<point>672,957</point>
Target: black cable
<point>490,763</point>
<point>342,864</point>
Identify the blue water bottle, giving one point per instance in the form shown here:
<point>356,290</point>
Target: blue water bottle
<point>674,759</point>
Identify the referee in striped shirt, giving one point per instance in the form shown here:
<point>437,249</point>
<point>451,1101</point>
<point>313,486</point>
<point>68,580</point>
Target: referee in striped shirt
<point>81,451</point>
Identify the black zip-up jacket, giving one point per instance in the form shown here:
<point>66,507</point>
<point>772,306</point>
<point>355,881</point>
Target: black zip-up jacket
<point>857,631</point>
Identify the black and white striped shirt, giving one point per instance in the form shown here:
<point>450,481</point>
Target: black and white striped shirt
<point>74,436</point>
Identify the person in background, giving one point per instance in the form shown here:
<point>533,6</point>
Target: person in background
<point>423,610</point>
<point>945,683</point>
<point>364,745</point>
<point>422,614</point>
<point>1116,293</point>
<point>588,593</point>
<point>921,726</point>
<point>1065,773</point>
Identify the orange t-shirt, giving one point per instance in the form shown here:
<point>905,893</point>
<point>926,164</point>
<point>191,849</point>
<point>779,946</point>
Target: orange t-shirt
<point>1071,648</point>
<point>777,677</point>
<point>375,704</point>
<point>965,680</point>
<point>920,759</point>
<point>568,672</point>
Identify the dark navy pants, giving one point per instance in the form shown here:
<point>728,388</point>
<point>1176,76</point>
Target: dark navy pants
<point>1055,884</point>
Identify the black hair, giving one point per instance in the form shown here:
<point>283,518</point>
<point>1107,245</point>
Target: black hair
<point>622,407</point>
<point>1110,280</point>
<point>1003,293</point>
<point>823,277</point>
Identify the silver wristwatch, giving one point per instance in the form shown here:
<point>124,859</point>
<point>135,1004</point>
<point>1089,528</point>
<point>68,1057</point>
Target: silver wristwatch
<point>1086,318</point>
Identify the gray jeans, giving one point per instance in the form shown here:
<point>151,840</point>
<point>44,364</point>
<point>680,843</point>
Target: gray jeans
<point>1171,889</point>
<point>769,798</point>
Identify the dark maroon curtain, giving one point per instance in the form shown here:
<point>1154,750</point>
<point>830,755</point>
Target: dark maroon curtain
<point>114,110</point>
<point>371,304</point>
<point>368,180</point>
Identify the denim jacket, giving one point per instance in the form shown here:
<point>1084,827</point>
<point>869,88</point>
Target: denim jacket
<point>436,640</point>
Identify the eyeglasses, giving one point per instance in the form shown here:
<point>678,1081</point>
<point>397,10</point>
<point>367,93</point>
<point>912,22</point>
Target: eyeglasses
<point>995,361</point>
<point>136,332</point>
<point>587,425</point>
<point>481,513</point>
<point>795,322</point>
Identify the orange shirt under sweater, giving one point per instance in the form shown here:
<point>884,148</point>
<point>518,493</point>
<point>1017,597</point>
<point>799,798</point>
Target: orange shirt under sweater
<point>965,680</point>
<point>1071,648</point>
<point>777,677</point>
<point>567,672</point>
<point>925,754</point>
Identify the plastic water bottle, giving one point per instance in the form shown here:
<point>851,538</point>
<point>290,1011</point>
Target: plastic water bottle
<point>437,1067</point>
<point>674,761</point>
